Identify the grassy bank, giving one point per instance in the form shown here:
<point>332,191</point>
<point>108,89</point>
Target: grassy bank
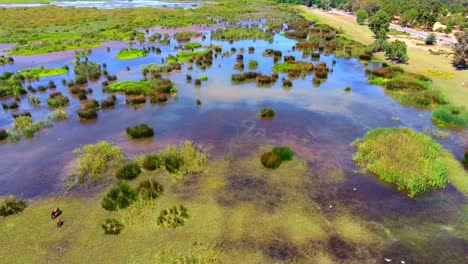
<point>421,61</point>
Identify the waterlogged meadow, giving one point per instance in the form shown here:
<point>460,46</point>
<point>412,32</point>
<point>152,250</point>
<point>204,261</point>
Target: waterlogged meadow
<point>238,134</point>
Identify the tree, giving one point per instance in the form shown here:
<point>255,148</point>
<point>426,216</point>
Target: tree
<point>431,39</point>
<point>361,16</point>
<point>460,50</point>
<point>396,50</point>
<point>379,24</point>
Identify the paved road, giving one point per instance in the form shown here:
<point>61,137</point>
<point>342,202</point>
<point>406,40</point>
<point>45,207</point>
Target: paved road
<point>413,32</point>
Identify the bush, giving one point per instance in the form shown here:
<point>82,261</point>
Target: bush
<point>150,189</point>
<point>184,159</point>
<point>276,156</point>
<point>347,89</point>
<point>151,162</point>
<point>10,206</point>
<point>140,131</point>
<point>119,197</point>
<point>128,172</point>
<point>57,100</point>
<point>34,100</point>
<point>135,99</point>
<point>266,113</point>
<point>252,64</point>
<point>87,113</point>
<point>465,157</point>
<point>94,162</point>
<point>24,126</point>
<point>431,39</point>
<point>402,157</point>
<point>173,217</point>
<point>451,116</point>
<point>109,102</point>
<point>58,114</point>
<point>112,226</point>
<point>3,134</point>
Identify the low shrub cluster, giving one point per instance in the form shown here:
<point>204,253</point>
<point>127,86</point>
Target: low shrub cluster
<point>128,172</point>
<point>140,131</point>
<point>120,196</point>
<point>112,226</point>
<point>276,156</point>
<point>294,68</point>
<point>94,162</point>
<point>240,77</point>
<point>266,113</point>
<point>450,116</point>
<point>173,217</point>
<point>132,53</point>
<point>109,102</point>
<point>57,100</point>
<point>400,156</point>
<point>265,79</point>
<point>11,206</point>
<point>150,189</point>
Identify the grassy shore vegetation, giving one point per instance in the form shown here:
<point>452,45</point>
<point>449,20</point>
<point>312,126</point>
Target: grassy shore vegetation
<point>143,87</point>
<point>51,28</point>
<point>6,59</point>
<point>409,160</point>
<point>451,116</point>
<point>189,56</point>
<point>36,73</point>
<point>131,53</point>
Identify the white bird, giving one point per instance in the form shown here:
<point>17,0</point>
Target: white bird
<point>403,262</point>
<point>387,260</point>
<point>331,206</point>
<point>354,189</point>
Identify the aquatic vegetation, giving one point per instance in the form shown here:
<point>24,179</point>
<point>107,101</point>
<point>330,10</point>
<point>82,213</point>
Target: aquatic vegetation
<point>150,189</point>
<point>238,66</point>
<point>83,52</point>
<point>400,156</point>
<point>34,100</point>
<point>266,113</point>
<point>112,226</point>
<point>186,35</point>
<point>87,113</point>
<point>252,64</point>
<point>276,156</point>
<point>450,116</point>
<point>57,100</point>
<point>10,85</point>
<point>12,105</point>
<point>192,45</point>
<point>10,206</point>
<point>287,83</point>
<point>120,196</point>
<point>131,53</point>
<point>240,77</point>
<point>24,126</point>
<point>86,69</point>
<point>173,217</point>
<point>3,134</point>
<point>191,56</point>
<point>94,162</point>
<point>203,78</point>
<point>198,102</point>
<point>144,87</point>
<point>465,157</point>
<point>140,131</point>
<point>6,59</point>
<point>265,79</point>
<point>158,68</point>
<point>128,172</point>
<point>58,114</point>
<point>294,67</point>
<point>135,99</point>
<point>197,82</point>
<point>241,32</point>
<point>321,71</point>
<point>109,102</point>
<point>31,74</point>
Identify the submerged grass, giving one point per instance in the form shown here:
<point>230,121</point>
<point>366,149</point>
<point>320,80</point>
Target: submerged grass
<point>410,160</point>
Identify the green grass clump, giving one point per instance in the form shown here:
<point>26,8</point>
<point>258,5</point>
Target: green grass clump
<point>11,206</point>
<point>112,226</point>
<point>400,156</point>
<point>86,69</point>
<point>10,84</point>
<point>128,172</point>
<point>266,113</point>
<point>140,131</point>
<point>24,126</point>
<point>276,156</point>
<point>119,197</point>
<point>143,87</point>
<point>6,59</point>
<point>203,78</point>
<point>151,162</point>
<point>31,74</point>
<point>150,189</point>
<point>192,45</point>
<point>157,68</point>
<point>57,100</point>
<point>94,162</point>
<point>450,116</point>
<point>187,56</point>
<point>294,66</point>
<point>173,217</point>
<point>252,64</point>
<point>131,53</point>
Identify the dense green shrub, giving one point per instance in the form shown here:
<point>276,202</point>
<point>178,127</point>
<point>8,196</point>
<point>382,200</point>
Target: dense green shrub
<point>276,156</point>
<point>402,157</point>
<point>465,157</point>
<point>3,134</point>
<point>150,189</point>
<point>94,162</point>
<point>119,197</point>
<point>151,162</point>
<point>140,131</point>
<point>112,226</point>
<point>109,102</point>
<point>57,100</point>
<point>128,172</point>
<point>10,206</point>
<point>173,217</point>
<point>87,113</point>
<point>266,113</point>
<point>451,116</point>
<point>431,39</point>
<point>25,127</point>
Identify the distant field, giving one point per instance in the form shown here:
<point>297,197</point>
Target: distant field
<point>420,61</point>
